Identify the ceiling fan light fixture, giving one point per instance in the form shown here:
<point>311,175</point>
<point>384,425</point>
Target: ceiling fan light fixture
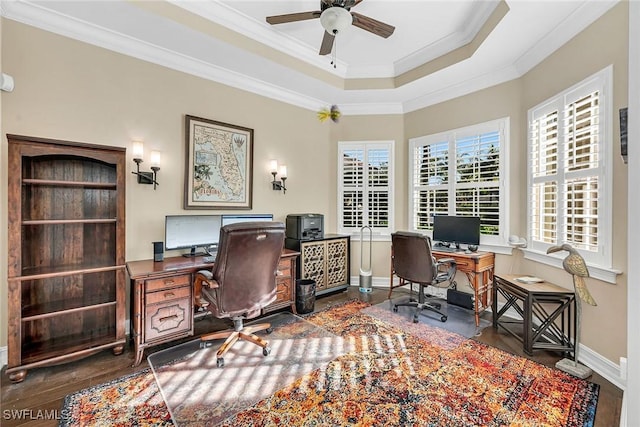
<point>335,19</point>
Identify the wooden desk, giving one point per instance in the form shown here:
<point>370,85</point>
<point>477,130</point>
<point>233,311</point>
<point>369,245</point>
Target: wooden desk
<point>540,306</point>
<point>478,267</point>
<point>163,301</point>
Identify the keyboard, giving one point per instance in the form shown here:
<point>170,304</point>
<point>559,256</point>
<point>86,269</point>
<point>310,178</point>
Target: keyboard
<point>445,249</point>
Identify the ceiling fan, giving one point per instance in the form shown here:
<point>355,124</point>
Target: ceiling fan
<point>335,16</point>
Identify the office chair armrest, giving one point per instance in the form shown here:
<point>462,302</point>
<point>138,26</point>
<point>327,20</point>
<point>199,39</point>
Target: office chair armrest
<point>205,278</point>
<point>202,278</point>
<point>450,274</point>
<point>208,275</point>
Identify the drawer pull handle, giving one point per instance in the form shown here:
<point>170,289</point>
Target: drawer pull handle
<point>169,294</point>
<point>169,282</point>
<point>279,273</point>
<point>164,319</point>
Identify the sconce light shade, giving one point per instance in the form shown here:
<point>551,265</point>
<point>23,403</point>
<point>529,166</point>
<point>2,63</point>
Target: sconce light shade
<point>145,177</point>
<point>278,185</point>
<point>155,159</point>
<point>137,149</point>
<point>273,166</point>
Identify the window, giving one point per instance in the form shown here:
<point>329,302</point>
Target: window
<point>365,183</point>
<point>569,149</point>
<point>461,172</point>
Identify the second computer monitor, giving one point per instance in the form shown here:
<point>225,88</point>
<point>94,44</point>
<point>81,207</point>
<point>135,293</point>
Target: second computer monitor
<point>456,229</point>
<point>233,218</point>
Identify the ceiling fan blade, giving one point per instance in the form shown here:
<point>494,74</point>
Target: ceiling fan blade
<point>293,17</point>
<point>348,4</point>
<point>373,26</point>
<point>327,43</point>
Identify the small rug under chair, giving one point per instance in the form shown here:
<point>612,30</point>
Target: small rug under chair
<point>396,372</point>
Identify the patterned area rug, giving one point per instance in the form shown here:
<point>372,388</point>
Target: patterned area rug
<point>459,320</point>
<point>198,393</point>
<point>398,373</point>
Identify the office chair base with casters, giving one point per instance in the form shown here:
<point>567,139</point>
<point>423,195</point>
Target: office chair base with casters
<point>240,332</point>
<point>420,305</point>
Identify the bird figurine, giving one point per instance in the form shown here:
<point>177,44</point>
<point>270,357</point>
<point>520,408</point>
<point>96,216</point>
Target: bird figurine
<point>575,265</point>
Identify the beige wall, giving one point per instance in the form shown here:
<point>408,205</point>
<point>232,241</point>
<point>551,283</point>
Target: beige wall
<point>605,42</point>
<point>73,91</point>
<point>375,128</point>
<point>604,326</point>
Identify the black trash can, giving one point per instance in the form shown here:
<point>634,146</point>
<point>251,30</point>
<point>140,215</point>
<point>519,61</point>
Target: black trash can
<point>305,295</point>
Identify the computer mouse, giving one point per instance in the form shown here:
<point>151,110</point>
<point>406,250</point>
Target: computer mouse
<point>467,251</point>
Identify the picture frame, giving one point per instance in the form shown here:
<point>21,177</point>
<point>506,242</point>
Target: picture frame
<point>219,165</point>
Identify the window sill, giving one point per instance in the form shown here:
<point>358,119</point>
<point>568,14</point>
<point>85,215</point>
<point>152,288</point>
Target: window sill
<point>374,238</point>
<point>608,275</point>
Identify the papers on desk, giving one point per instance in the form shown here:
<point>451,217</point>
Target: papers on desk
<point>529,279</point>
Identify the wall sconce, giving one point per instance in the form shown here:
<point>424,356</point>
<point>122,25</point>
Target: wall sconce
<point>278,185</point>
<point>146,177</point>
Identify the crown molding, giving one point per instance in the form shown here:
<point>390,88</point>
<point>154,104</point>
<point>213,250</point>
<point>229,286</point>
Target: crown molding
<point>572,25</point>
<point>43,18</point>
<point>462,88</point>
<point>462,36</point>
<point>236,21</point>
<point>35,14</point>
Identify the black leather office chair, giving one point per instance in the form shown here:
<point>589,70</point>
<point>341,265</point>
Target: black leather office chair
<point>243,280</point>
<point>413,262</point>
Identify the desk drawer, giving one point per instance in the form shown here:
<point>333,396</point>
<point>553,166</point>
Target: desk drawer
<point>284,269</point>
<point>283,290</point>
<point>168,294</point>
<point>170,318</point>
<point>167,282</point>
<point>465,264</point>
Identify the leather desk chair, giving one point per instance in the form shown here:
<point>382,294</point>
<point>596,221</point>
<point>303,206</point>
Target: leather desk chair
<point>413,262</point>
<point>243,280</point>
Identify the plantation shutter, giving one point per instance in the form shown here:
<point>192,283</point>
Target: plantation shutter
<point>477,187</point>
<point>568,158</point>
<point>430,183</point>
<point>460,172</point>
<point>364,192</point>
<point>565,173</point>
<point>581,166</point>
<point>544,165</point>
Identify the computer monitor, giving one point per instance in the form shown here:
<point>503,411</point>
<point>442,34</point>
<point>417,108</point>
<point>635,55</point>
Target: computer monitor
<point>192,231</point>
<point>456,229</point>
<point>233,218</point>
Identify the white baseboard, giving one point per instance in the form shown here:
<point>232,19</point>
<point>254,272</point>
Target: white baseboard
<point>603,366</point>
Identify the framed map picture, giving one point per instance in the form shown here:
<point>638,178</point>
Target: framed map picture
<point>219,164</point>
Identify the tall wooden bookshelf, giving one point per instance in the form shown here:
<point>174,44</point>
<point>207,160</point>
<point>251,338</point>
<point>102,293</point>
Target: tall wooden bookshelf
<point>66,266</point>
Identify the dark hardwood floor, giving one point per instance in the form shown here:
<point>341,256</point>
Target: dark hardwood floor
<point>41,394</point>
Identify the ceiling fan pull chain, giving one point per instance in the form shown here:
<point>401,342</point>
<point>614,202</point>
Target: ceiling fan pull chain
<point>334,51</point>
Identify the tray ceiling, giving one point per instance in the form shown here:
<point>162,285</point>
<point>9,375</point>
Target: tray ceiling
<point>439,49</point>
